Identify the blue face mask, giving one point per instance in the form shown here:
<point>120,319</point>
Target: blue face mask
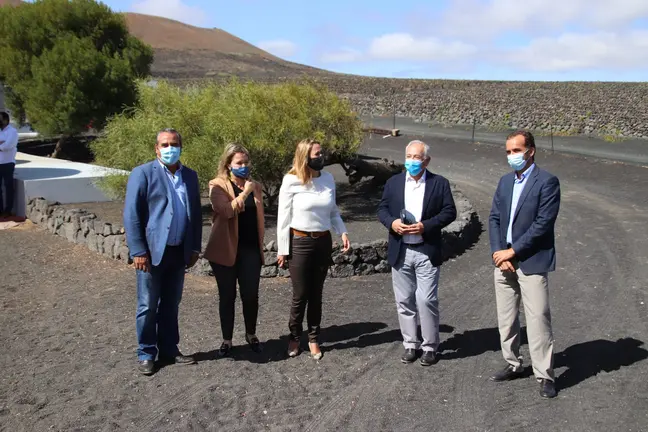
<point>413,167</point>
<point>170,155</point>
<point>517,161</point>
<point>242,172</point>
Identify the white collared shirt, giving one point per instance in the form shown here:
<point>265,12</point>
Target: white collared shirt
<point>9,147</point>
<point>414,197</point>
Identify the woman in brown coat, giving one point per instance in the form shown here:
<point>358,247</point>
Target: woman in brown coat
<point>235,247</point>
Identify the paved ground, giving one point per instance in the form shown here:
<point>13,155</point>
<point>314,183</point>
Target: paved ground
<point>67,330</point>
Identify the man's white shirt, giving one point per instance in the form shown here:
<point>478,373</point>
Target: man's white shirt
<point>9,147</point>
<point>414,197</point>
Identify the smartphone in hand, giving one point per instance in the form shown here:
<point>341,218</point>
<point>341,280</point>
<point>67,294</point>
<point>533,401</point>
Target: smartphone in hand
<point>404,219</point>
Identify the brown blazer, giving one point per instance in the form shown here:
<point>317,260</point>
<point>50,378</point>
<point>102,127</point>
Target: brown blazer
<point>222,246</point>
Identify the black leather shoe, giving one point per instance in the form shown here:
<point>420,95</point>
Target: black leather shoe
<point>508,373</point>
<point>224,350</point>
<point>428,358</point>
<point>146,367</point>
<point>547,389</point>
<point>255,344</point>
<point>184,360</point>
<point>409,355</point>
<point>179,359</point>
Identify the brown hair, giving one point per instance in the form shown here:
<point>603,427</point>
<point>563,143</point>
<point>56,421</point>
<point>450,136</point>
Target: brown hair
<point>529,141</point>
<point>227,156</point>
<point>300,162</point>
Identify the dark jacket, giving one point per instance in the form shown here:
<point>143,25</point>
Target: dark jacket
<point>439,211</point>
<point>533,220</point>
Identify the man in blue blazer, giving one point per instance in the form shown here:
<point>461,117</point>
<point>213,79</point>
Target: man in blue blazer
<point>163,223</point>
<point>415,206</point>
<point>522,219</point>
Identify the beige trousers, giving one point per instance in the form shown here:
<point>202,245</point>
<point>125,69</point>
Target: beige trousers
<point>533,290</point>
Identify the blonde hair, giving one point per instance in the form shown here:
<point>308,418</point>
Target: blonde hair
<point>227,156</point>
<point>300,162</point>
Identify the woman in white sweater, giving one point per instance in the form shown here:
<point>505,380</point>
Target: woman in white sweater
<point>307,213</point>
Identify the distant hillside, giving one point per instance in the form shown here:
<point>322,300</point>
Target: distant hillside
<point>184,51</point>
<point>187,52</point>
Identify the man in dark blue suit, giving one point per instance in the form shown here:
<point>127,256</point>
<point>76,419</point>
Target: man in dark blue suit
<point>415,206</point>
<point>522,219</point>
<point>163,223</point>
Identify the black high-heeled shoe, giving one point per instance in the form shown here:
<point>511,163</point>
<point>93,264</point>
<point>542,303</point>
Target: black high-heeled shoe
<point>255,344</point>
<point>224,350</point>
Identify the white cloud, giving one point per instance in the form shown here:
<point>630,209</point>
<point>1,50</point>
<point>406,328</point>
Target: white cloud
<point>401,46</point>
<point>404,46</point>
<point>479,18</point>
<point>544,36</point>
<point>173,9</point>
<point>280,47</point>
<point>573,51</point>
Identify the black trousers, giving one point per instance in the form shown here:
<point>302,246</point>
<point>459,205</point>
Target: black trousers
<point>309,264</point>
<point>6,179</point>
<point>247,271</point>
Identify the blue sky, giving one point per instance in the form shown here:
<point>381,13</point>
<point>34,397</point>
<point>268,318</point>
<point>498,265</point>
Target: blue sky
<point>469,39</point>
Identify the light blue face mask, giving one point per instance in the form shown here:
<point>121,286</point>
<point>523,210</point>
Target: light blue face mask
<point>170,155</point>
<point>413,167</point>
<point>517,161</point>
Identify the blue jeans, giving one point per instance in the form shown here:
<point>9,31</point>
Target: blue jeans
<point>158,298</point>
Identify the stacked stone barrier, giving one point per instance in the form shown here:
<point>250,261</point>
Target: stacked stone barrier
<point>603,109</point>
<point>109,239</point>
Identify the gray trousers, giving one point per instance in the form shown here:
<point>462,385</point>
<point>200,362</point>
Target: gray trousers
<point>533,290</point>
<point>416,284</point>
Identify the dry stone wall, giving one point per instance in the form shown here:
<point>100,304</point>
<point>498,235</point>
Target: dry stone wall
<point>567,108</point>
<point>108,239</point>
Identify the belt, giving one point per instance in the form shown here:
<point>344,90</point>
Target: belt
<point>313,234</point>
<point>414,244</point>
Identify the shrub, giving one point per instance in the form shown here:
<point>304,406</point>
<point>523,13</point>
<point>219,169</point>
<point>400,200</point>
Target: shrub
<point>268,119</point>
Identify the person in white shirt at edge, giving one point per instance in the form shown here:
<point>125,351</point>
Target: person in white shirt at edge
<point>8,149</point>
<point>414,251</point>
<point>307,212</point>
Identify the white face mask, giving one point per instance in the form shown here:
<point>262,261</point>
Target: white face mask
<point>517,161</point>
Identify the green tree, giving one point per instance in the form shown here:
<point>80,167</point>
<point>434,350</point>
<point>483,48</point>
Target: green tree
<point>268,119</point>
<point>68,64</point>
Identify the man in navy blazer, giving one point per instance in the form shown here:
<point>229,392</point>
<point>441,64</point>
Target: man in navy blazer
<point>163,223</point>
<point>425,202</point>
<point>523,215</point>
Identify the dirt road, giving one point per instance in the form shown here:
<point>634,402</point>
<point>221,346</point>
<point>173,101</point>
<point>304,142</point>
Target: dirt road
<point>68,337</point>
